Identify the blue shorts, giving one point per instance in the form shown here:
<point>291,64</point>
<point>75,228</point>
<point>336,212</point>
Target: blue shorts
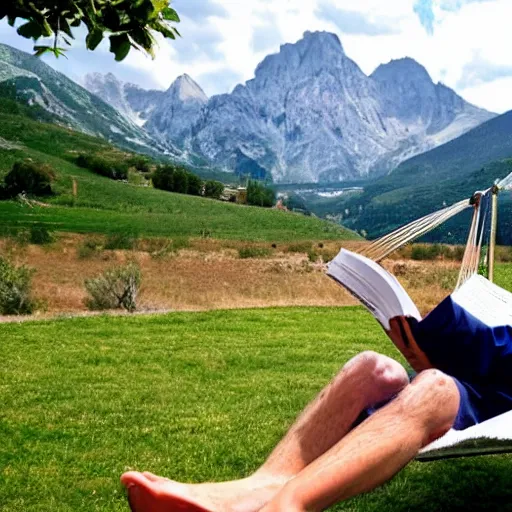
<point>478,403</point>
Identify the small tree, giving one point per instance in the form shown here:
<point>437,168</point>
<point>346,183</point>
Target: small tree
<point>213,189</point>
<point>30,177</point>
<point>194,185</point>
<point>181,181</point>
<point>260,195</point>
<point>177,179</point>
<point>117,288</point>
<point>163,178</point>
<point>15,289</point>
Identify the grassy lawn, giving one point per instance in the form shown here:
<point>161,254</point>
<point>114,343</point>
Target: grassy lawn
<point>194,396</point>
<point>193,217</point>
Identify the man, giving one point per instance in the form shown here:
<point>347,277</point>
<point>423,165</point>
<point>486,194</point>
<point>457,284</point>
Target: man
<point>331,453</point>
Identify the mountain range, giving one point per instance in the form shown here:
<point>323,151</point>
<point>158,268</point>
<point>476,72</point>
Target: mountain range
<point>310,114</point>
<point>71,105</point>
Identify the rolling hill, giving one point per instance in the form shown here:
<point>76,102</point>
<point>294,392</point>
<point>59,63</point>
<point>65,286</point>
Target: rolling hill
<point>107,206</point>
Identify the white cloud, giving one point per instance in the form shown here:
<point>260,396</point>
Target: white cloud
<point>224,41</point>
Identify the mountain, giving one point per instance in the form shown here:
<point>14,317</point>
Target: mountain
<point>169,114</point>
<point>178,110</point>
<point>70,104</point>
<point>133,102</point>
<point>440,177</point>
<point>310,114</point>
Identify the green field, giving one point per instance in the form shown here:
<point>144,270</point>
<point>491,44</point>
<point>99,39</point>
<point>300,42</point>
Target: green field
<point>200,396</point>
<point>107,206</point>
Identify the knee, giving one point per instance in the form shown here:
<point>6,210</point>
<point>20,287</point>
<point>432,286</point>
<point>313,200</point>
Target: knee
<point>379,370</point>
<point>436,396</point>
<point>377,377</point>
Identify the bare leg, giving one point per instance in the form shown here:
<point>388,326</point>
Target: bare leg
<point>366,380</point>
<point>377,449</point>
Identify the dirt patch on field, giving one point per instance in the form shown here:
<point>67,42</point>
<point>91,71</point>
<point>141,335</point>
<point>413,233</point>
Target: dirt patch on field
<point>210,274</point>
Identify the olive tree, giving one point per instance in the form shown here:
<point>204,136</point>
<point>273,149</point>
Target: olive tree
<point>127,23</point>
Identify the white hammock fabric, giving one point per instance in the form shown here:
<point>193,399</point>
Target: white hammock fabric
<point>493,436</point>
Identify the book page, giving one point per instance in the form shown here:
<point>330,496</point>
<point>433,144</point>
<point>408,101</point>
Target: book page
<point>374,286</point>
<point>485,301</point>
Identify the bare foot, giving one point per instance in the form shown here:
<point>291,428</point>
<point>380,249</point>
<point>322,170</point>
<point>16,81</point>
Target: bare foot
<point>151,493</point>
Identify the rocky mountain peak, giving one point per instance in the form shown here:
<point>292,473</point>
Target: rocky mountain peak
<point>308,56</point>
<point>402,70</point>
<point>185,88</point>
<point>320,40</point>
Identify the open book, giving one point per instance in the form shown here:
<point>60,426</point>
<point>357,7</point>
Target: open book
<point>468,335</point>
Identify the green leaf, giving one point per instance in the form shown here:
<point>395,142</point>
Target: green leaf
<point>59,52</point>
<point>164,30</point>
<point>40,50</point>
<point>64,26</point>
<point>170,14</point>
<point>30,30</point>
<point>143,38</point>
<point>144,11</point>
<point>120,46</point>
<point>94,38</point>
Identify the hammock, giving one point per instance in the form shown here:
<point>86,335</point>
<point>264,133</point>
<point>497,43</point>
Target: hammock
<point>495,435</point>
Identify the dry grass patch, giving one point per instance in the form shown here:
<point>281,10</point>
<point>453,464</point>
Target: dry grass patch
<point>210,274</point>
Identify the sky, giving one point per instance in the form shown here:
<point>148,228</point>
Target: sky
<point>464,44</point>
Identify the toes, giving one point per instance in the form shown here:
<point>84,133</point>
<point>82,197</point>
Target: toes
<point>134,478</point>
<point>154,478</point>
<point>146,494</point>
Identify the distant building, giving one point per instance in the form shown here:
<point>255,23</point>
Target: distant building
<point>235,195</point>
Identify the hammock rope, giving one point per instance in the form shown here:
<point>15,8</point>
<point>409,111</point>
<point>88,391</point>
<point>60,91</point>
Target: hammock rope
<point>384,246</point>
<point>484,206</point>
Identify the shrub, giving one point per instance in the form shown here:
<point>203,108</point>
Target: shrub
<point>39,235</point>
<point>260,195</point>
<point>15,289</point>
<point>33,178</point>
<point>135,178</point>
<point>121,241</point>
<point>116,288</point>
<point>313,256</point>
<point>253,252</point>
<point>301,247</point>
<point>458,252</point>
<point>213,189</point>
<point>108,167</point>
<point>141,163</point>
<point>89,247</point>
<point>426,252</point>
